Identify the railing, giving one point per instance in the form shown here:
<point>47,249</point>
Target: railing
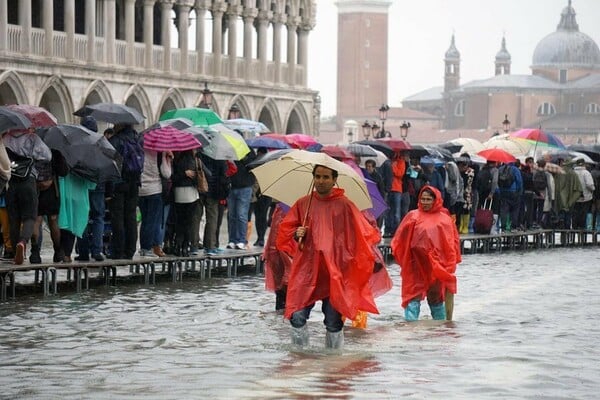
<point>248,71</point>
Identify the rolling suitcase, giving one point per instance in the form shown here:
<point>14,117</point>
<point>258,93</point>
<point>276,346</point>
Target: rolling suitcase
<point>484,218</point>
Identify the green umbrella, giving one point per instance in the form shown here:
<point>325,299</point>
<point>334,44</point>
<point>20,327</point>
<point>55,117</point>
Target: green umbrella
<point>199,116</point>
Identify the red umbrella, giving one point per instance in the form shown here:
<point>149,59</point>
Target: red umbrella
<point>337,152</point>
<point>497,155</point>
<point>167,138</point>
<point>396,144</point>
<point>301,140</point>
<point>39,116</point>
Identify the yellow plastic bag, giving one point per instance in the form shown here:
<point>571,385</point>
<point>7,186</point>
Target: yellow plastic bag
<point>361,320</point>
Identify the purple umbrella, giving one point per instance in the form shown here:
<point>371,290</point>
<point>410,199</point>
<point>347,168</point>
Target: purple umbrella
<point>379,204</point>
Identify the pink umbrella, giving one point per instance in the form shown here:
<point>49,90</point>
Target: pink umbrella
<point>301,140</point>
<point>167,138</point>
<point>39,116</point>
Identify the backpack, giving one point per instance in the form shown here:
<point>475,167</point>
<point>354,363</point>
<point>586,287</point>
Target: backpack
<point>539,181</point>
<point>133,157</point>
<point>484,180</point>
<point>506,177</point>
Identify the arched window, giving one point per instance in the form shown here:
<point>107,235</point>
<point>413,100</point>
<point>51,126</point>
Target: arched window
<point>459,109</point>
<point>592,108</point>
<point>546,109</point>
<point>571,108</point>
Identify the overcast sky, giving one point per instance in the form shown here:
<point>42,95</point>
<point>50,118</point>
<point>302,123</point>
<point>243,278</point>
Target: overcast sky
<point>420,32</point>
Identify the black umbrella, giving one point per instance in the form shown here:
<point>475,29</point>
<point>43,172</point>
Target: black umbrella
<point>439,152</point>
<point>10,119</point>
<point>377,145</point>
<point>88,154</point>
<point>111,112</point>
<point>418,151</point>
<point>451,147</point>
<point>592,150</point>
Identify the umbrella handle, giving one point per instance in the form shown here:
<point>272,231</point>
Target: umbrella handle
<point>312,185</point>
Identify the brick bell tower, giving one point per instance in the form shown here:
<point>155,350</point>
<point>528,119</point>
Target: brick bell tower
<point>362,63</point>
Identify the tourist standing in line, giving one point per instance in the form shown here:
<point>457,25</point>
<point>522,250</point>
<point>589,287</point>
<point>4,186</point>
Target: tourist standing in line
<point>334,260</point>
<point>238,203</point>
<point>583,205</point>
<point>427,248</point>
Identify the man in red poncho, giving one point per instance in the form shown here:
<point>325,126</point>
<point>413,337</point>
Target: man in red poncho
<point>427,248</point>
<point>333,262</point>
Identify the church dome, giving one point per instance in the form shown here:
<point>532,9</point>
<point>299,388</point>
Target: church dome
<point>503,54</point>
<point>567,47</point>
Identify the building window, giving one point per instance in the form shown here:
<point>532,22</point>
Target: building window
<point>562,76</point>
<point>571,108</point>
<point>592,108</point>
<point>459,109</point>
<point>546,109</point>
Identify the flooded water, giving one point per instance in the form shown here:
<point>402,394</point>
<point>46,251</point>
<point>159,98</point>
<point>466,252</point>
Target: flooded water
<point>526,327</point>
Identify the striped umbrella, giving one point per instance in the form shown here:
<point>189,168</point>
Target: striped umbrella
<point>168,138</point>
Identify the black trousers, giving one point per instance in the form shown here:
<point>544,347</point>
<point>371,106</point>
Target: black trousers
<point>123,221</point>
<point>22,208</point>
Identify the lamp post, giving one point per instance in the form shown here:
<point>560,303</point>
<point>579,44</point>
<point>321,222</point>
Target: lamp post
<point>383,116</point>
<point>375,130</point>
<point>206,101</point>
<point>366,129</point>
<point>234,112</point>
<point>506,124</point>
<point>404,130</point>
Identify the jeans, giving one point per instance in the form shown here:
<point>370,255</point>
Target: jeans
<point>92,239</point>
<point>238,204</point>
<point>151,208</point>
<point>399,204</point>
<point>333,319</point>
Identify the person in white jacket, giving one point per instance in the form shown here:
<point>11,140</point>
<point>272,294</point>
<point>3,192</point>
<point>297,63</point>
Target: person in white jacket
<point>584,203</point>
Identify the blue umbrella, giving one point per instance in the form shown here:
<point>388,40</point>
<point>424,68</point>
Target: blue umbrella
<point>267,142</point>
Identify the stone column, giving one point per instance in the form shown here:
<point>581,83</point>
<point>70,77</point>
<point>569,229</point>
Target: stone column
<point>278,21</point>
<point>90,29</point>
<point>217,39</point>
<point>70,28</point>
<point>25,24</point>
<point>232,14</point>
<point>48,24</point>
<point>292,26</point>
<point>249,15</point>
<point>165,40</point>
<point>130,32</point>
<point>200,7</point>
<point>148,33</point>
<point>184,27</point>
<point>110,31</point>
<point>263,24</point>
<point>303,51</point>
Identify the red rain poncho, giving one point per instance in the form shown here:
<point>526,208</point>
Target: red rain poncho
<point>336,260</point>
<point>277,263</point>
<point>427,248</point>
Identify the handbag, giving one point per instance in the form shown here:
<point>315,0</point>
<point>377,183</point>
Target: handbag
<point>201,177</point>
<point>20,166</point>
<point>484,218</point>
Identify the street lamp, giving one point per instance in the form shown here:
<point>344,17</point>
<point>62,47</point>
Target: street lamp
<point>383,116</point>
<point>234,112</point>
<point>375,129</point>
<point>206,101</point>
<point>404,130</point>
<point>366,129</point>
<point>506,124</point>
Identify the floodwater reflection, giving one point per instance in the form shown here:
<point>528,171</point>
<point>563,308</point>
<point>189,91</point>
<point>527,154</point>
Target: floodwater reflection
<point>525,327</point>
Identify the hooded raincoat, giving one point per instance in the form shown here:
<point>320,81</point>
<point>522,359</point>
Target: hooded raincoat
<point>336,259</point>
<point>427,248</point>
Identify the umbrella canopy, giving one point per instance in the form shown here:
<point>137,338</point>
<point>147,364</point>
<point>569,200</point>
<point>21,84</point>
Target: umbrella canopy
<point>290,177</point>
<point>168,138</point>
<point>270,156</point>
<point>301,140</point>
<point>592,150</point>
<point>378,145</point>
<point>337,152</point>
<point>199,116</point>
<point>396,144</point>
<point>111,112</point>
<point>225,144</point>
<point>538,138</point>
<point>268,142</point>
<point>88,154</point>
<point>497,155</point>
<point>516,148</point>
<point>360,150</point>
<point>468,145</point>
<point>39,116</point>
<point>379,159</point>
<point>379,203</point>
<point>439,153</point>
<point>246,126</point>
<point>10,119</point>
<point>418,151</point>
<point>177,123</point>
<point>451,147</point>
<point>570,156</point>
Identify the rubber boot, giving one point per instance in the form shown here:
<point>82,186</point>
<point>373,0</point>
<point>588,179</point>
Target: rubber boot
<point>300,336</point>
<point>438,311</point>
<point>412,311</point>
<point>334,340</point>
<point>35,257</point>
